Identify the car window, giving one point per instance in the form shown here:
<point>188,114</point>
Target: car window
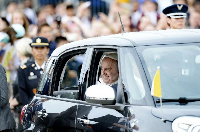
<point>116,84</point>
<point>95,77</point>
<point>62,74</point>
<point>71,72</point>
<point>130,76</point>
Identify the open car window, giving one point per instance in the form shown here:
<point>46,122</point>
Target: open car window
<point>71,72</point>
<point>95,72</point>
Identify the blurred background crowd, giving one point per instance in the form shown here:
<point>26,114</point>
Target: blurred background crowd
<point>63,21</point>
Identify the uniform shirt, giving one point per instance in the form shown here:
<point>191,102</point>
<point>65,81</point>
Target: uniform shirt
<point>41,68</point>
<point>28,79</point>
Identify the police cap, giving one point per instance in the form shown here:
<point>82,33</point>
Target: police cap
<point>39,42</point>
<point>176,11</point>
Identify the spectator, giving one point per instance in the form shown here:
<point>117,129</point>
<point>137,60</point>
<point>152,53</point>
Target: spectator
<point>190,4</point>
<point>96,27</point>
<point>11,7</point>
<point>41,16</point>
<point>144,23</point>
<point>83,12</point>
<point>19,17</point>
<point>60,41</point>
<point>136,14</point>
<point>10,60</point>
<point>46,14</point>
<point>44,30</point>
<point>7,123</point>
<point>150,11</point>
<point>50,9</point>
<point>68,14</point>
<point>4,39</point>
<point>20,32</point>
<point>162,22</point>
<point>24,55</point>
<point>105,30</point>
<point>126,19</point>
<point>194,20</point>
<point>3,23</point>
<point>29,12</point>
<point>197,6</point>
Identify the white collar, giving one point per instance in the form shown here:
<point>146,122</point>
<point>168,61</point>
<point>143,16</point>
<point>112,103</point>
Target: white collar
<point>43,65</point>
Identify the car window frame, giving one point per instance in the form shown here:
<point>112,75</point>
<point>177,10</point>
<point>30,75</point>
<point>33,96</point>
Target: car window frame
<point>120,98</point>
<point>61,61</point>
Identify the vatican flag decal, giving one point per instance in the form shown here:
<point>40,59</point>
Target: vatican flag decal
<point>156,85</point>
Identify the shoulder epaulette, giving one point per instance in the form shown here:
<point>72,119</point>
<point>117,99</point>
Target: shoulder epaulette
<point>23,66</point>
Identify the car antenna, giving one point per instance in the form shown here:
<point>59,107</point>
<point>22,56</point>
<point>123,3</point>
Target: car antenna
<point>121,23</point>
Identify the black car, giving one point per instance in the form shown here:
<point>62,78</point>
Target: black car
<point>69,98</point>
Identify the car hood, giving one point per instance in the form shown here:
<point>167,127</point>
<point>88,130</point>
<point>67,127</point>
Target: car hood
<point>171,112</point>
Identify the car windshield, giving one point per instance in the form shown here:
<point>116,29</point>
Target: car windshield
<point>179,70</point>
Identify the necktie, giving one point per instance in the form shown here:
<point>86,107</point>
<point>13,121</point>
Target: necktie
<point>41,71</point>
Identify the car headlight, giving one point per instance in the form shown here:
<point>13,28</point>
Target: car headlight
<point>186,124</point>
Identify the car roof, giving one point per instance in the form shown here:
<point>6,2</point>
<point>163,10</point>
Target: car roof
<point>170,36</point>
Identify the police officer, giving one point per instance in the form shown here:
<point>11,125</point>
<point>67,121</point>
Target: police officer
<point>176,15</point>
<point>30,73</point>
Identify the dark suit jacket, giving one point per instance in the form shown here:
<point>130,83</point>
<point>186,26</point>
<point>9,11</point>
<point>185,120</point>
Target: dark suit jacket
<point>6,118</point>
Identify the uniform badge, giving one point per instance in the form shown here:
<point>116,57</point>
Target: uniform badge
<point>34,90</point>
<point>31,73</point>
<point>36,68</point>
<point>179,7</point>
<point>23,66</point>
<point>38,40</point>
<point>32,76</point>
<point>41,72</point>
<point>33,65</point>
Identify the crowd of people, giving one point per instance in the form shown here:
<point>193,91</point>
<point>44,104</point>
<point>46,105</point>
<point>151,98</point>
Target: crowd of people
<point>21,25</point>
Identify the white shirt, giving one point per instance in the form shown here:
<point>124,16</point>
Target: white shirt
<point>39,67</point>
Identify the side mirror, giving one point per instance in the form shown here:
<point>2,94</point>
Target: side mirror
<point>100,94</point>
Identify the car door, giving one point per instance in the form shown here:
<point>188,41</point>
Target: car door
<point>97,117</point>
<point>61,99</point>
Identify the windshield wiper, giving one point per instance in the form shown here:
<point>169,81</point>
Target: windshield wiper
<point>181,100</point>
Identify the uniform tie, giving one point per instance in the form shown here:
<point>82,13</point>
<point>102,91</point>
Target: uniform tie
<point>41,71</point>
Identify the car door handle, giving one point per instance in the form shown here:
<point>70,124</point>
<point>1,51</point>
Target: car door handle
<point>83,121</point>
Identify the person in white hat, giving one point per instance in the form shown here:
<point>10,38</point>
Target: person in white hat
<point>109,70</point>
